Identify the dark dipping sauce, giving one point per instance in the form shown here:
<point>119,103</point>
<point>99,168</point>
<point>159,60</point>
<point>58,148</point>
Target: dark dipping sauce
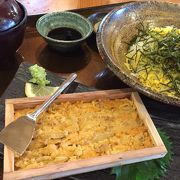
<point>64,33</point>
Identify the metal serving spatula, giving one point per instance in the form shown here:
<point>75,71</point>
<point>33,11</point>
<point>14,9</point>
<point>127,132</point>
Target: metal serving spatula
<point>18,134</point>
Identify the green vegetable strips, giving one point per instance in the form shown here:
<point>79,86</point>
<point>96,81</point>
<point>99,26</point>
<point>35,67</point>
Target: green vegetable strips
<point>154,58</point>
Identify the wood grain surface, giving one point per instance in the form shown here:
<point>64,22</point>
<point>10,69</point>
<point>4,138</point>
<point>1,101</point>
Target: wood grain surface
<point>45,6</point>
<point>91,72</point>
<point>90,164</point>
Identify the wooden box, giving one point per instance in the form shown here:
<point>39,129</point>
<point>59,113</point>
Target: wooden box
<point>86,165</point>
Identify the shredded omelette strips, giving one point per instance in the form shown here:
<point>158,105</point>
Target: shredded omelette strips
<point>154,60</point>
<point>72,131</point>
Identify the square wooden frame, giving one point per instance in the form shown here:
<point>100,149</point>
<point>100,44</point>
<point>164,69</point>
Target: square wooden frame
<point>85,165</point>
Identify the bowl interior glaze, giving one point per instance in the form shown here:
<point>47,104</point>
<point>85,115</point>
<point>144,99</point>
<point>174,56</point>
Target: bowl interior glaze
<point>118,29</point>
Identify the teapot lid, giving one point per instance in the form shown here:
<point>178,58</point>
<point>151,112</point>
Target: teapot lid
<point>10,14</point>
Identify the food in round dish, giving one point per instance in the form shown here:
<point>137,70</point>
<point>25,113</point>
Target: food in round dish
<point>154,58</point>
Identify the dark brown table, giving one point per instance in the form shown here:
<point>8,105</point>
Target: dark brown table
<point>92,72</point>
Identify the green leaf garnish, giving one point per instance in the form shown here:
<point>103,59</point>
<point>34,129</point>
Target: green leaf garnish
<point>147,170</point>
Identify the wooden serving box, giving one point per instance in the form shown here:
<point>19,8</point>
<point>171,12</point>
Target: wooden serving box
<point>85,165</point>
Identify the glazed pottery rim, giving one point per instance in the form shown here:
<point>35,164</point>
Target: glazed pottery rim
<point>93,18</point>
<point>64,41</point>
<point>20,23</point>
<point>119,72</point>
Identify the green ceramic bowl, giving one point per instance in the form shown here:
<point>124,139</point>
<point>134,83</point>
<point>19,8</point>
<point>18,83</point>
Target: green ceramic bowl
<point>66,19</point>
